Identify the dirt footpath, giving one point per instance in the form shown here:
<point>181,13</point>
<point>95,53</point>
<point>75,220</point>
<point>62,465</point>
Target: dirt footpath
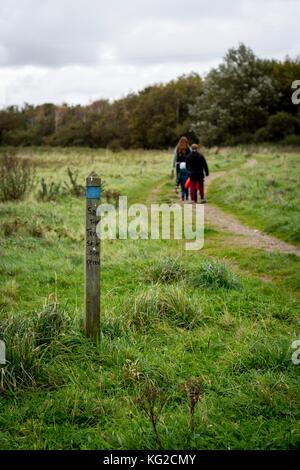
<point>247,236</point>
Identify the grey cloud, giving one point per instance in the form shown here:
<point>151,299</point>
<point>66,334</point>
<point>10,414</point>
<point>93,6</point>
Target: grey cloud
<point>53,54</point>
<point>56,32</point>
<point>78,50</point>
<point>50,32</point>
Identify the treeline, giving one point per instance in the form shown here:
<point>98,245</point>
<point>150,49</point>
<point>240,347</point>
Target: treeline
<point>245,99</point>
<point>248,100</point>
<point>152,118</point>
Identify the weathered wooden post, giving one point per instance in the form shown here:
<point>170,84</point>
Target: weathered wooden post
<point>92,259</point>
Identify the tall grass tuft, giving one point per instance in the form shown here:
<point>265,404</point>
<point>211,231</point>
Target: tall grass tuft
<point>49,323</point>
<point>27,341</point>
<point>170,304</point>
<point>216,275</point>
<point>22,363</point>
<point>166,271</point>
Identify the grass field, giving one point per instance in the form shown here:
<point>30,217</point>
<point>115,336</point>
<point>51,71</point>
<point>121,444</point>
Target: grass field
<point>212,328</point>
<point>266,195</point>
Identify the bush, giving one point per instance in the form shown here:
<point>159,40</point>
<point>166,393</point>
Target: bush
<point>242,138</point>
<point>115,146</point>
<point>291,139</point>
<point>16,176</point>
<point>262,135</point>
<point>281,124</point>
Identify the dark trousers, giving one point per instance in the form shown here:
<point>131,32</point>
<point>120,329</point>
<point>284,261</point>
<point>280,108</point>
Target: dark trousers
<point>184,191</point>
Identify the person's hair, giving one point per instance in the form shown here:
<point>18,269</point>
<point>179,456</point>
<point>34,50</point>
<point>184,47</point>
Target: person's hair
<point>195,146</point>
<point>182,143</point>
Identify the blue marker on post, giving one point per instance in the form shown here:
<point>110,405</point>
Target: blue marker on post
<point>93,192</point>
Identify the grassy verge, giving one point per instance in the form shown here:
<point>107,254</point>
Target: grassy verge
<point>216,325</point>
<point>265,196</point>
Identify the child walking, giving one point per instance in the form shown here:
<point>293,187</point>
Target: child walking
<point>181,180</point>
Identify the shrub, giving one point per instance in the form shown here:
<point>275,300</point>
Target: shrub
<point>115,145</point>
<point>291,139</point>
<point>17,177</point>
<point>282,124</point>
<point>263,135</point>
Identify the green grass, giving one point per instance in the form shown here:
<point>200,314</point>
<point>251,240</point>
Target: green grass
<point>265,196</point>
<point>225,316</point>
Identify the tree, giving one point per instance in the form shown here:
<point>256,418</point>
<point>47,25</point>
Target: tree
<point>244,99</point>
<point>160,113</point>
<point>284,74</point>
<point>236,100</point>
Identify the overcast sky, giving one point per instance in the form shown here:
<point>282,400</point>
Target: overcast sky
<point>77,51</point>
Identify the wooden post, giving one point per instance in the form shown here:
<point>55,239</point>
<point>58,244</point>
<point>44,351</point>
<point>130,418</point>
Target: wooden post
<point>92,259</point>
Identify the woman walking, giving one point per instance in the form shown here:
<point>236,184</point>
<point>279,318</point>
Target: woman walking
<point>181,151</point>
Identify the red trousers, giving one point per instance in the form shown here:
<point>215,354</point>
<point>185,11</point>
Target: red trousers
<point>194,185</point>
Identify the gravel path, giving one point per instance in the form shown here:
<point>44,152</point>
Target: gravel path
<point>247,236</point>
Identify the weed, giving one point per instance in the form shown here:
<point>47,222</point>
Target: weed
<point>194,390</point>
<point>111,197</point>
<point>131,371</point>
<point>16,176</point>
<point>72,186</point>
<point>152,402</point>
<point>49,192</point>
